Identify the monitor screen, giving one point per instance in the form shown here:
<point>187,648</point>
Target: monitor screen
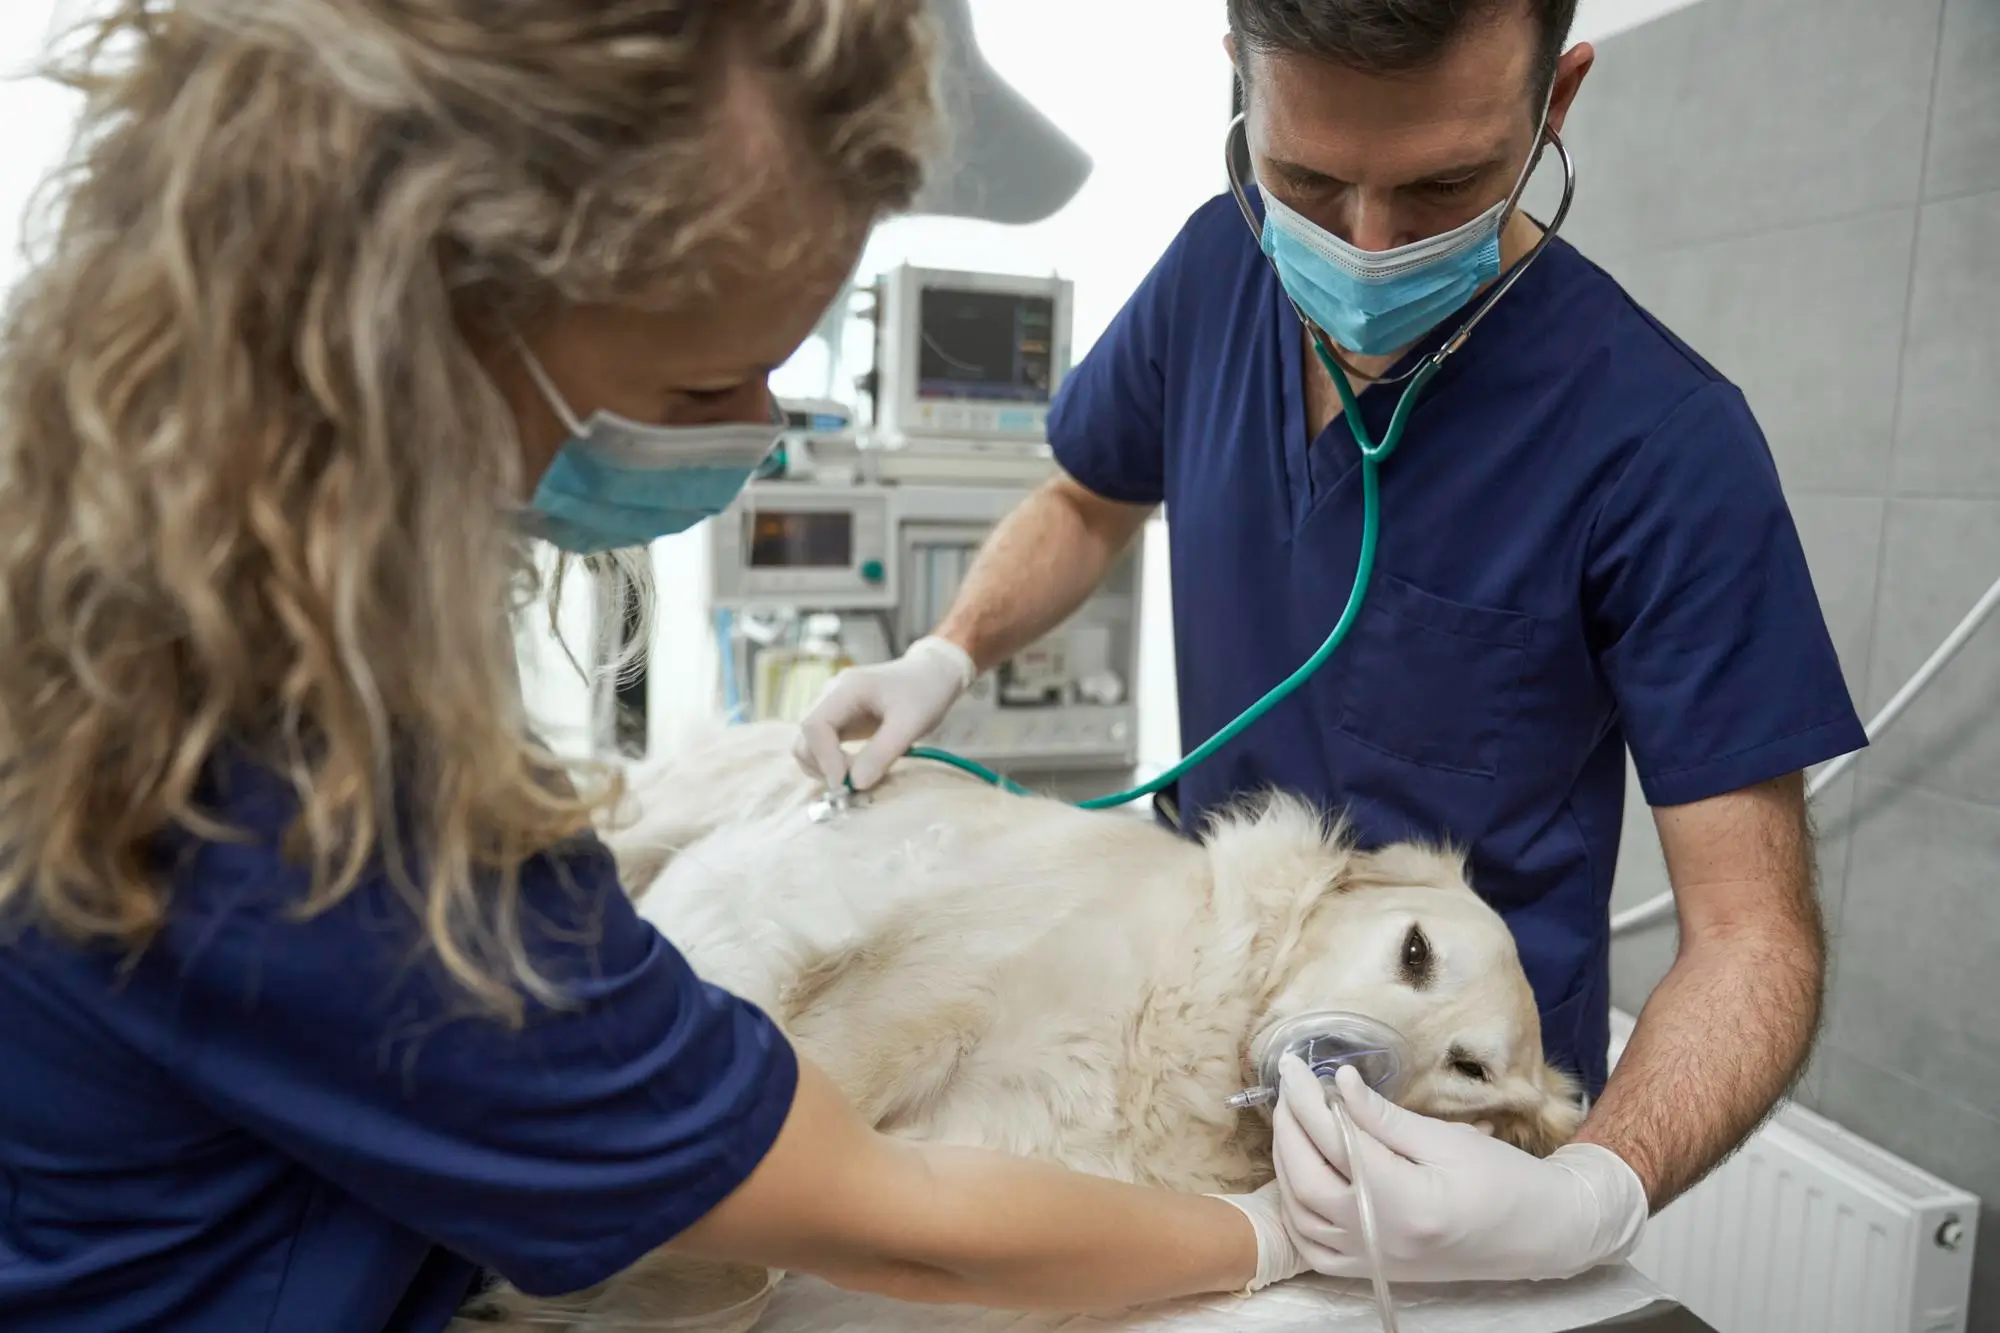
<point>802,540</point>
<point>994,346</point>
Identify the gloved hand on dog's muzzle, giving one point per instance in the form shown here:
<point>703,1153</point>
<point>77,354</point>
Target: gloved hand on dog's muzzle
<point>1450,1202</point>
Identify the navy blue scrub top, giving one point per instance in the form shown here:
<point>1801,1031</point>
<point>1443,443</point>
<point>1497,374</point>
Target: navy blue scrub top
<point>301,1127</point>
<point>1584,547</point>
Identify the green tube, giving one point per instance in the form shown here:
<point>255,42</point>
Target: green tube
<point>964,765</point>
<point>1372,457</point>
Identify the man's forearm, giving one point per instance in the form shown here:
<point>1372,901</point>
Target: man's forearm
<point>1728,1030</point>
<point>1720,1041</point>
<point>1040,564</point>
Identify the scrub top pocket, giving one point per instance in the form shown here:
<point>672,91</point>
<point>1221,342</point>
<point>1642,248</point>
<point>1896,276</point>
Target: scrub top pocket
<point>1433,681</point>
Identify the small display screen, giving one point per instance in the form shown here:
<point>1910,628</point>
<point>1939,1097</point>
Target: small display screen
<point>995,346</point>
<point>815,540</point>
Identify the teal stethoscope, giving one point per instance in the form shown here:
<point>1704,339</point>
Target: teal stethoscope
<point>1373,455</point>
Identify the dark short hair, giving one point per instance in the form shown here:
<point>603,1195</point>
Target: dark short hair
<point>1390,36</point>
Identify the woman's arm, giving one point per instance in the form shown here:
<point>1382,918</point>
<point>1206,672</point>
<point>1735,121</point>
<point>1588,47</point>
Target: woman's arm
<point>649,1108</point>
<point>927,1223</point>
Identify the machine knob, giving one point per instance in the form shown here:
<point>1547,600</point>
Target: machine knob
<point>872,571</point>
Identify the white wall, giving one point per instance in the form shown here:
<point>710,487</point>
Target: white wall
<point>1598,19</point>
<point>1148,101</point>
<point>37,116</point>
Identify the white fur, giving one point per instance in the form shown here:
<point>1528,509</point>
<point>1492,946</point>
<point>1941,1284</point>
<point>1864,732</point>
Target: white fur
<point>983,968</point>
<point>974,967</point>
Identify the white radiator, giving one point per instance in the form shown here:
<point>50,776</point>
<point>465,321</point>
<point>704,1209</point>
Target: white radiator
<point>1812,1229</point>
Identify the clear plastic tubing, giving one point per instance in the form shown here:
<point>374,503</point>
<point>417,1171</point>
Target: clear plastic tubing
<point>1385,1305</point>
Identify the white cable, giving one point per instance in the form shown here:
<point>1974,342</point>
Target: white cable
<point>1660,907</point>
<point>1366,1207</point>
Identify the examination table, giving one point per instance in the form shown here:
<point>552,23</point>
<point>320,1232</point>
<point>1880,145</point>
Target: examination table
<point>1617,1298</point>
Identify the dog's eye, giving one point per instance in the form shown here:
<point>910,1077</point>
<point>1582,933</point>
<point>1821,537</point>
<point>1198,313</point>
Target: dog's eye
<point>1416,958</point>
<point>1462,1062</point>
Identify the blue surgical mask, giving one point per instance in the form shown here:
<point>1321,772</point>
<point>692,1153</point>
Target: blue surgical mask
<point>617,483</point>
<point>1378,302</point>
<point>1375,302</point>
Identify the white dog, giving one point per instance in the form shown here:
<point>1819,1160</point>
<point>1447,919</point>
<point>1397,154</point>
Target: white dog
<point>981,968</point>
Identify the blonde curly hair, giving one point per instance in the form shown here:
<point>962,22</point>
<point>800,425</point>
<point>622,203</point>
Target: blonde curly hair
<point>255,487</point>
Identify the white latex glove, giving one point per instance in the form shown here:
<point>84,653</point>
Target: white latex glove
<point>1278,1257</point>
<point>1451,1203</point>
<point>899,701</point>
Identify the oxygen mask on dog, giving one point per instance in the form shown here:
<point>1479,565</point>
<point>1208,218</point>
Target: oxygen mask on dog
<point>1326,1039</point>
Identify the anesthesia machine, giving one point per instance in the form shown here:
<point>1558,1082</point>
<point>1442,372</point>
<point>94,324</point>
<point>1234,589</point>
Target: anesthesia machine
<point>854,541</point>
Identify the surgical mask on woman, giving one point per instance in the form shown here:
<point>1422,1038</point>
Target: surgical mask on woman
<point>618,483</point>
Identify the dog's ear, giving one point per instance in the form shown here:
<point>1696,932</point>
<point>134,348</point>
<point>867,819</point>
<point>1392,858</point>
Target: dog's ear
<point>1538,1112</point>
<point>1274,862</point>
<point>1278,854</point>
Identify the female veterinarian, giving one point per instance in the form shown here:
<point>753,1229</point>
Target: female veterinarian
<point>318,1001</point>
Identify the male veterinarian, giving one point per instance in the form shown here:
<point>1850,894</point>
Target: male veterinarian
<point>1584,548</point>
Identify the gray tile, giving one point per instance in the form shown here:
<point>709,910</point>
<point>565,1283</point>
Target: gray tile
<point>1641,871</point>
<point>1833,813</point>
<point>1842,535</point>
<point>1939,1133</point>
<point>1810,323</point>
<point>1807,1090</point>
<point>1836,812</point>
<point>1917,976</point>
<point>1640,959</point>
<point>1740,116</point>
<point>1965,117</point>
<point>1948,406</point>
<point>1938,558</point>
